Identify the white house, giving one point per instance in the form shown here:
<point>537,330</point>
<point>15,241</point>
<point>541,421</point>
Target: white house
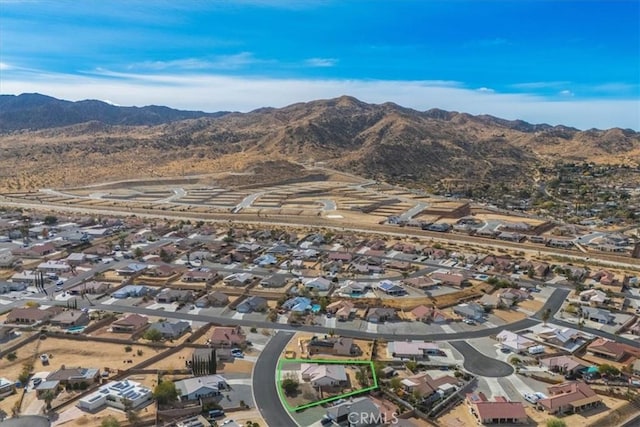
<point>513,341</point>
<point>318,283</point>
<point>323,375</point>
<point>115,394</point>
<point>198,387</point>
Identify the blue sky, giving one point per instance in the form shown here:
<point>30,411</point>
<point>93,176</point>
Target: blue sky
<point>575,63</point>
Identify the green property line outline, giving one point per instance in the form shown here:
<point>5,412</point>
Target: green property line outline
<point>283,399</point>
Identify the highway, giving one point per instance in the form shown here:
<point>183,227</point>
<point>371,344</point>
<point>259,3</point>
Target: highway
<point>265,391</point>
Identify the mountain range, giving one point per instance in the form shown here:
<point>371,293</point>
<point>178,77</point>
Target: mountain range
<point>86,141</point>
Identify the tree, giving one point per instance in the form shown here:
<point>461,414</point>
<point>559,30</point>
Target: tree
<point>138,253</point>
<point>153,335</point>
<point>50,220</point>
<point>290,386</point>
<point>411,365</point>
<point>12,356</point>
<point>546,315</point>
<point>48,397</point>
<point>165,392</point>
<point>608,370</point>
<point>132,415</point>
<point>555,422</point>
<point>165,256</point>
<point>395,384</point>
<point>110,421</point>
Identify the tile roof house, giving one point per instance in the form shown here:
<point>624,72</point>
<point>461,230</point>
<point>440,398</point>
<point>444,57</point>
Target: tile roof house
<point>130,324</point>
<point>167,296</point>
<point>612,350</point>
<point>342,309</point>
<point>450,279</point>
<point>214,299</point>
<point>74,375</point>
<point>274,280</point>
<point>563,364</point>
<point>422,282</point>
<point>251,304</point>
<point>227,337</point>
<point>324,375</point>
<point>469,310</point>
<point>414,350</point>
<point>336,346</point>
<point>380,314</point>
<point>427,386</point>
<point>70,318</point>
<point>32,315</point>
<point>171,330</point>
<point>498,411</point>
<point>569,397</point>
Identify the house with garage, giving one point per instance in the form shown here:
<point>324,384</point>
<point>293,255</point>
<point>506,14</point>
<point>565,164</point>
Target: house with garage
<point>297,304</point>
<point>71,376</point>
<point>413,350</point>
<point>358,412</point>
<point>199,276</point>
<point>130,324</point>
<point>167,296</point>
<point>276,280</point>
<point>336,346</point>
<point>197,388</point>
<point>238,279</point>
<point>131,291</point>
<point>252,304</point>
<point>569,397</point>
<point>226,337</point>
<point>563,364</point>
<point>32,315</point>
<point>213,299</point>
<point>320,284</point>
<point>324,375</point>
<point>117,394</point>
<point>471,310</point>
<point>69,318</point>
<point>390,288</point>
<point>171,330</point>
<point>598,315</point>
<point>428,387</point>
<point>380,314</point>
<point>341,309</point>
<point>514,342</point>
<point>498,411</point>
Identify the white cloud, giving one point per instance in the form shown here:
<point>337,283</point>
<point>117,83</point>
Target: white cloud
<point>540,85</point>
<point>566,92</point>
<point>4,66</point>
<point>209,92</point>
<point>321,62</point>
<point>221,62</point>
<point>485,90</point>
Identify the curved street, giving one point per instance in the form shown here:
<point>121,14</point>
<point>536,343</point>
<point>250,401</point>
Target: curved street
<point>479,364</point>
<point>265,391</point>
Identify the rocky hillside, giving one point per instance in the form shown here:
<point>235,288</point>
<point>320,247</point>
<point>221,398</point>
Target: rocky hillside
<point>384,141</point>
<point>32,111</point>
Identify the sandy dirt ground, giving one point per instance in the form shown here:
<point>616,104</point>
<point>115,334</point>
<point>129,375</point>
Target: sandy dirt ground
<point>531,305</point>
<point>509,316</point>
<point>460,416</point>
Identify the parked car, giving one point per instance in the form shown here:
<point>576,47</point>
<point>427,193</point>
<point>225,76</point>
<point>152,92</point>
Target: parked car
<point>216,413</point>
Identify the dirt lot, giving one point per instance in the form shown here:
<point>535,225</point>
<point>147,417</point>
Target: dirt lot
<point>531,305</point>
<point>460,416</point>
<point>74,353</point>
<point>509,316</point>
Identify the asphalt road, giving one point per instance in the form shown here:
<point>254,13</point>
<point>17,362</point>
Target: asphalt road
<point>479,364</point>
<point>265,392</point>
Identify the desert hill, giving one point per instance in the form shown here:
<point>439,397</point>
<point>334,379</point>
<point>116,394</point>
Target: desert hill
<point>383,141</point>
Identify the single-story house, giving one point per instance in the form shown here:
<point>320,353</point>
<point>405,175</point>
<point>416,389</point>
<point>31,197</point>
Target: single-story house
<point>318,283</point>
<point>358,412</point>
<point>214,299</point>
<point>390,288</point>
<point>380,314</point>
<point>335,345</point>
<point>167,296</point>
<point>598,315</point>
<point>171,330</point>
<point>70,318</point>
<point>324,375</point>
<point>116,394</point>
<point>569,397</point>
<point>130,324</point>
<point>131,291</point>
<point>222,337</point>
<point>471,310</point>
<point>251,304</point>
<point>498,411</point>
<point>32,315</point>
<point>297,304</point>
<point>274,281</point>
<point>414,350</point>
<point>342,309</point>
<point>238,279</point>
<point>75,375</point>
